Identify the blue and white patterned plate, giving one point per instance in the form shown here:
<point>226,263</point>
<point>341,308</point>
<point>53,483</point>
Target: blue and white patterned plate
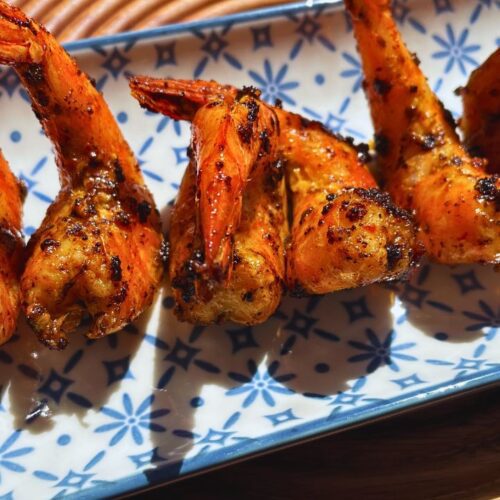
<point>161,399</point>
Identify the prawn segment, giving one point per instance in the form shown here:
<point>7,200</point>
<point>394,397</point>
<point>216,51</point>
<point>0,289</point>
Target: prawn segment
<point>425,168</point>
<point>254,289</point>
<point>345,232</point>
<point>230,141</point>
<point>11,249</point>
<point>481,119</point>
<point>98,250</point>
<point>229,131</point>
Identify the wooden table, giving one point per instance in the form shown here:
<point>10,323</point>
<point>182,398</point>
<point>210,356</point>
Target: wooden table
<point>72,19</point>
<point>449,450</point>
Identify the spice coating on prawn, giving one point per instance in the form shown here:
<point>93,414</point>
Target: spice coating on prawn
<point>345,232</point>
<point>425,168</point>
<point>252,290</point>
<point>98,249</point>
<point>481,119</point>
<point>11,249</point>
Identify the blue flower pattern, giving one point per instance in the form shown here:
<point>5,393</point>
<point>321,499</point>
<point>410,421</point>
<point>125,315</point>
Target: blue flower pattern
<point>454,49</point>
<point>135,421</point>
<point>379,351</point>
<point>139,422</point>
<point>273,84</point>
<point>354,70</point>
<point>267,384</point>
<point>11,456</point>
<point>486,319</point>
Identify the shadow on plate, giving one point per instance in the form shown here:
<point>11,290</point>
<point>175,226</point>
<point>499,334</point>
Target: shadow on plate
<point>451,303</point>
<point>242,367</point>
<point>320,347</point>
<point>40,383</point>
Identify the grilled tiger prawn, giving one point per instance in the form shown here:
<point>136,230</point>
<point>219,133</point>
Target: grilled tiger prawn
<point>98,250</point>
<point>481,119</point>
<point>345,232</point>
<point>425,168</point>
<point>253,287</point>
<point>11,249</point>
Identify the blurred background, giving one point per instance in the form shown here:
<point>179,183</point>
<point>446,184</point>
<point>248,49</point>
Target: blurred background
<point>74,19</point>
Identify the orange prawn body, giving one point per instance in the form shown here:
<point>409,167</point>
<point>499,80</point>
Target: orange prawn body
<point>425,168</point>
<point>11,249</point>
<point>98,250</point>
<point>481,119</point>
<point>253,287</point>
<point>345,231</point>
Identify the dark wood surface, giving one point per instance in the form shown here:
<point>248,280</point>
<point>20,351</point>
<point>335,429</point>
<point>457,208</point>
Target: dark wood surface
<point>448,450</point>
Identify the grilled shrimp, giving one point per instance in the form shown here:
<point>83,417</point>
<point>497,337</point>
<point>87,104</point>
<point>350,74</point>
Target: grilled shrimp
<point>226,148</point>
<point>425,168</point>
<point>231,143</point>
<point>98,250</point>
<point>253,289</point>
<point>345,232</point>
<point>481,119</point>
<point>11,249</point>
<point>253,292</point>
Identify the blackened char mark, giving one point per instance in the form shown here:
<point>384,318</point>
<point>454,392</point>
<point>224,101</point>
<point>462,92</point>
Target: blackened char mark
<point>384,201</point>
<point>487,189</point>
<point>381,87</point>
<point>49,245</point>
<point>185,280</point>
<point>394,255</point>
<point>34,74</point>
<point>382,144</point>
<point>116,268</point>
<point>119,175</point>
<point>265,143</point>
<point>356,212</point>
<point>165,251</point>
<point>143,211</point>
<point>253,110</point>
<point>308,211</point>
<point>248,91</point>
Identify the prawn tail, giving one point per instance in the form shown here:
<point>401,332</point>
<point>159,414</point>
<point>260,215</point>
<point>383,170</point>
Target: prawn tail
<point>18,37</point>
<point>178,99</point>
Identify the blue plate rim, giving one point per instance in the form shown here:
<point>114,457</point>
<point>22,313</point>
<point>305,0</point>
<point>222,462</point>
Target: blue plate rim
<point>317,428</point>
<point>312,429</point>
<point>189,27</point>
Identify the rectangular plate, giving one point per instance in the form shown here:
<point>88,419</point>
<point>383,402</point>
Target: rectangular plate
<point>161,399</point>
